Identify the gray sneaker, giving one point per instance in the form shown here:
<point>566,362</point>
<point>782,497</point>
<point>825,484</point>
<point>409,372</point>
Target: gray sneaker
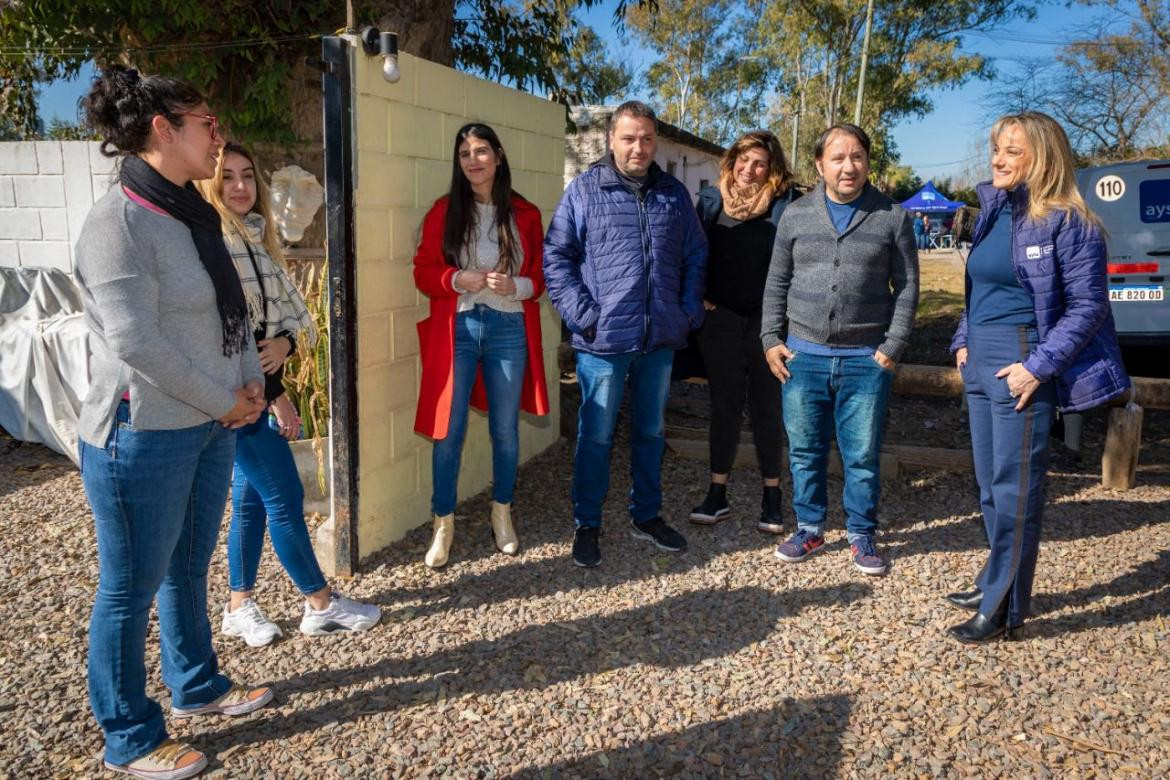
<point>342,614</point>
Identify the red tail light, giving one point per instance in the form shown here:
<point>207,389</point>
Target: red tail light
<point>1132,268</point>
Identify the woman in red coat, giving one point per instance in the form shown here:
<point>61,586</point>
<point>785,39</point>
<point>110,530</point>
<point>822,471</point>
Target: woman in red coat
<point>479,261</point>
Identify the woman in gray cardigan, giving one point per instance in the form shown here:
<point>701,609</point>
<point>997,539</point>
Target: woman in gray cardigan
<point>174,372</point>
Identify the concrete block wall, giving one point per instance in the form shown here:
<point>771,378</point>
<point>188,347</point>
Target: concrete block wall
<point>46,190</point>
<point>405,135</point>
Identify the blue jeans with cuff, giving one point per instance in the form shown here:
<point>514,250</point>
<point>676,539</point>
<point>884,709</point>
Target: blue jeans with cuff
<point>846,396</point>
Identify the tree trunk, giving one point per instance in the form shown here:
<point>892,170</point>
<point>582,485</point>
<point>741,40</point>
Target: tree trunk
<point>425,27</point>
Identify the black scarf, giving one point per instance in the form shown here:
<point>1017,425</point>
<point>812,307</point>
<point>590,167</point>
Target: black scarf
<point>186,205</point>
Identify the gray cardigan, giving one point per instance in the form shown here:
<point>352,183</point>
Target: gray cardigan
<point>858,288</point>
<point>154,326</point>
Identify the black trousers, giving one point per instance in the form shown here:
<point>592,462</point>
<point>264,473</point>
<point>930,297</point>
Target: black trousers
<point>737,371</point>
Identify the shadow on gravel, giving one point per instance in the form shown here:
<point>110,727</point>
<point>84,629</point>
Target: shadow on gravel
<point>794,739</point>
<point>1148,584</point>
<point>676,632</point>
<point>26,465</point>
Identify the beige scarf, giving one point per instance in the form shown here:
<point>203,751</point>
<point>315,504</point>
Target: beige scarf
<point>744,203</point>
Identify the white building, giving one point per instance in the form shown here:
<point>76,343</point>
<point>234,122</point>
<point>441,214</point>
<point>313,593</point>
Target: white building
<point>690,159</point>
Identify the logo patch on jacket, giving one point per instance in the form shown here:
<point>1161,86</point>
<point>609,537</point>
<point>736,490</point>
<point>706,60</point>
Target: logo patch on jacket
<point>1035,252</point>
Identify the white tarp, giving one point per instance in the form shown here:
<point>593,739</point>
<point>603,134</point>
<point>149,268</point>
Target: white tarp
<point>44,357</point>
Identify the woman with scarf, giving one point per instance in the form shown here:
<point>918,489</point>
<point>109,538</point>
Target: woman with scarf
<point>174,374</point>
<point>267,490</point>
<point>740,217</point>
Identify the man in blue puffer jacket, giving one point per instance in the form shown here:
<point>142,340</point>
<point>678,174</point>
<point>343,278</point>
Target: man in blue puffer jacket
<point>624,262</point>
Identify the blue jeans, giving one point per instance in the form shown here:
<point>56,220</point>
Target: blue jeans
<point>1011,464</point>
<point>493,342</point>
<point>847,396</point>
<point>602,379</point>
<point>267,491</point>
<point>157,499</point>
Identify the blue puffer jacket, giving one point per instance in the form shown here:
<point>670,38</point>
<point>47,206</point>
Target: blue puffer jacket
<point>1060,261</point>
<point>626,272</point>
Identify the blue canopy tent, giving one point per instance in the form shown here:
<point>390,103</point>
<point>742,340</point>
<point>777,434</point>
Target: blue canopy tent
<point>930,201</point>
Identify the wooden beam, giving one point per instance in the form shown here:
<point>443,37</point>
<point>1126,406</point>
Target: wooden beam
<point>1123,444</point>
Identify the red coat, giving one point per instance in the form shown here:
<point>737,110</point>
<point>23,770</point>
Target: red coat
<point>436,334</point>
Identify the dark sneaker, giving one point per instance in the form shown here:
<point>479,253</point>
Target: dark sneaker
<point>657,531</point>
<point>586,550</point>
<point>866,557</point>
<point>799,546</point>
<point>714,507</point>
<point>771,520</point>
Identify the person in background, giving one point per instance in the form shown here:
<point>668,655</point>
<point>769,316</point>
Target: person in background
<point>174,373</point>
<point>1037,334</point>
<point>919,230</point>
<point>479,262</point>
<point>267,490</point>
<point>739,217</point>
<point>624,259</point>
<point>838,311</point>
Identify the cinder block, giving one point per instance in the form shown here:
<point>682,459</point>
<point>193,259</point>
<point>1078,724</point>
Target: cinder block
<point>76,219</point>
<point>372,234</point>
<point>49,157</point>
<point>386,181</point>
<point>373,340</point>
<point>405,231</point>
<point>524,182</point>
<point>402,435</point>
<point>418,132</point>
<point>404,331</point>
<point>383,286</point>
<point>102,182</point>
<point>45,254</point>
<point>18,157</point>
<point>548,117</point>
<point>374,433</point>
<point>544,154</point>
<point>39,191</point>
<point>372,132</point>
<point>7,194</point>
<point>439,88</point>
<point>434,180</point>
<point>54,226</point>
<point>371,84</point>
<point>490,103</point>
<point>19,223</point>
<point>98,162</point>
<point>78,184</point>
<point>550,187</point>
<point>512,141</point>
<point>9,256</point>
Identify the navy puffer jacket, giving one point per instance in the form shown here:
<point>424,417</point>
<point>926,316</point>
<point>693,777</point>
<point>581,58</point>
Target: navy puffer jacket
<point>626,271</point>
<point>1060,261</point>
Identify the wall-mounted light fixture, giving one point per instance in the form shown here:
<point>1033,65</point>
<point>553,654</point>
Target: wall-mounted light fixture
<point>384,44</point>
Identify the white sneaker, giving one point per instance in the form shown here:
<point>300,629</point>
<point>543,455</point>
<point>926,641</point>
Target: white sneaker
<point>249,622</point>
<point>342,614</point>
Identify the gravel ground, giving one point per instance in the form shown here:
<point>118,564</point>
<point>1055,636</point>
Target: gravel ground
<point>719,661</point>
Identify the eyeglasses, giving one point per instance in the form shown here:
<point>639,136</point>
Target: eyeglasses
<point>212,118</point>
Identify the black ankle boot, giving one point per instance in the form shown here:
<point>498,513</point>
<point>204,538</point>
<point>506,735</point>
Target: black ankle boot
<point>966,600</point>
<point>714,507</point>
<point>771,521</point>
<point>980,629</point>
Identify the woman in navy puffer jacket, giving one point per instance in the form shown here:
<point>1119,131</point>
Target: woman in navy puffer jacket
<point>1037,334</point>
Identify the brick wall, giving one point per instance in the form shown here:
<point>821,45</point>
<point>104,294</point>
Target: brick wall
<point>46,189</point>
<point>405,134</point>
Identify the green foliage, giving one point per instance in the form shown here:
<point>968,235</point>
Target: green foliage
<point>586,74</point>
<point>60,130</point>
<point>247,82</point>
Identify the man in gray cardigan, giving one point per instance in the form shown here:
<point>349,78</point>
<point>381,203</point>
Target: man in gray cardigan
<point>838,310</point>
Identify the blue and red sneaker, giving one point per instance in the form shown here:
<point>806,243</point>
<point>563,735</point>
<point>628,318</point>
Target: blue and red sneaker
<point>799,546</point>
<point>866,557</point>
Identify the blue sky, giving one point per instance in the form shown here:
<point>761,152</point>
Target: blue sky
<point>939,145</point>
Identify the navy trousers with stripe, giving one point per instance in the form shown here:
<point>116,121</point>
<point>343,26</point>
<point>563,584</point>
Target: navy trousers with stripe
<point>1011,464</point>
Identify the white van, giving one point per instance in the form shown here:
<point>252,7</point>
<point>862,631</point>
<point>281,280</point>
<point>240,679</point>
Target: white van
<point>1133,200</point>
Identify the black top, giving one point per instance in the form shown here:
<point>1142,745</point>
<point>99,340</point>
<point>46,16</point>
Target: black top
<point>738,253</point>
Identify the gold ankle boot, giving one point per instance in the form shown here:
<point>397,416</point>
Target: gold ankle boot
<point>441,541</point>
<point>502,528</point>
